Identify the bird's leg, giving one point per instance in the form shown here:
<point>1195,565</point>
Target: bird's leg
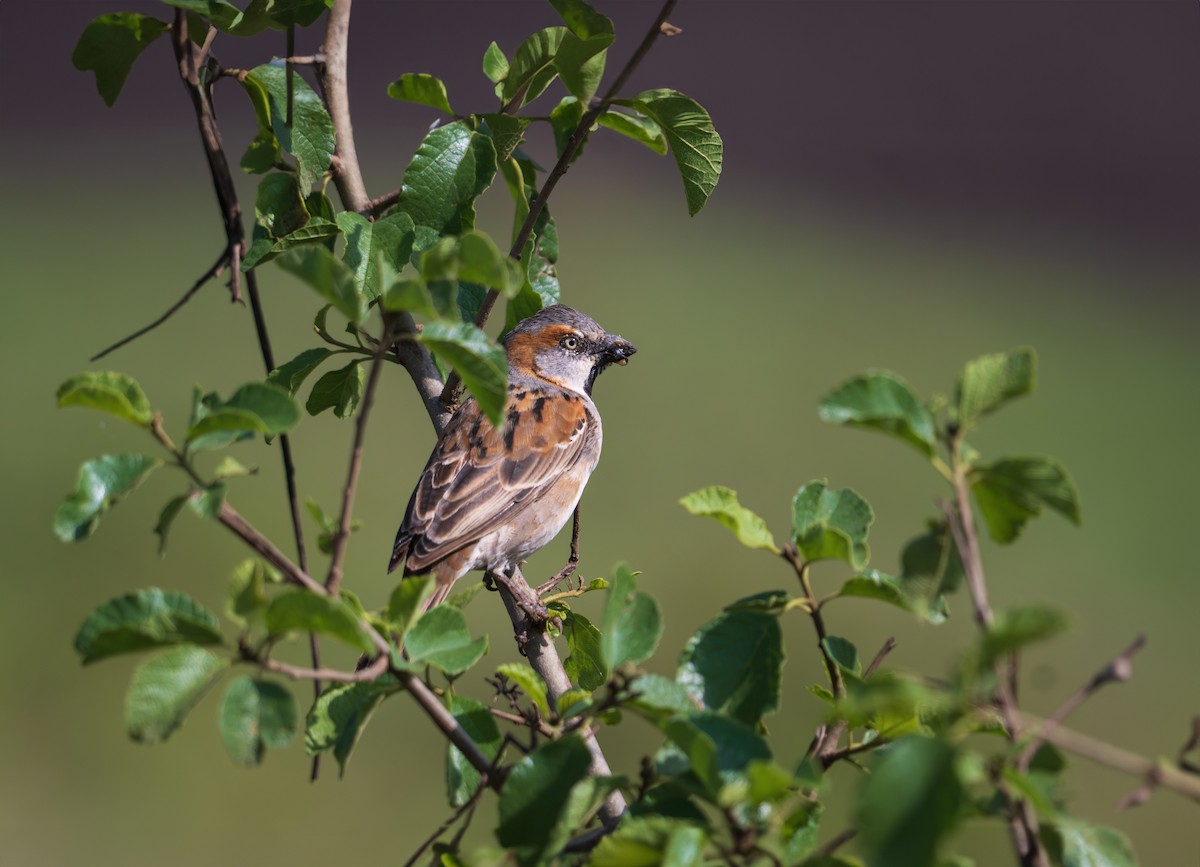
<point>523,594</point>
<point>572,562</point>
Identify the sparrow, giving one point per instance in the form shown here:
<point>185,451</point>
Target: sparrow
<point>490,496</point>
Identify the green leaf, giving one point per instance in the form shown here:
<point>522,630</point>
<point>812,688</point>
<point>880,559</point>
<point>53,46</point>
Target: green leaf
<point>721,503</point>
<point>873,584</point>
<point>340,389</point>
<point>585,660</point>
<point>389,237</point>
<point>109,46</point>
<point>843,653</point>
<point>564,120</point>
<point>166,518</point>
<point>829,524</point>
<point>340,715</point>
<point>799,831</point>
<point>637,127</point>
<point>404,606</point>
<point>310,137</point>
<point>247,597</point>
<point>222,15</point>
<point>532,68</point>
<point>481,261</point>
<point>113,393</point>
<point>529,681</point>
<point>302,611</point>
<point>480,363</point>
<point>535,792</point>
<point>1015,629</point>
<point>256,715</point>
<point>930,566</point>
<point>650,841</point>
<point>453,165</point>
<point>230,467</point>
<point>256,407</point>
<point>100,485</point>
<point>207,501</point>
<point>990,381</point>
<point>584,21</point>
<point>329,276</point>
<point>882,401</point>
<point>1013,490</point>
<point>462,778</point>
<point>421,88</point>
<point>495,64</point>
<point>291,375</point>
<point>144,619</point>
<point>279,208</point>
<point>440,638</point>
<point>165,688</point>
<point>658,697</point>
<point>1072,843</point>
<point>411,295</point>
<point>909,803</point>
<point>734,664</point>
<point>580,63</point>
<point>507,132</point>
<point>717,747</point>
<point>632,622</point>
<point>695,144</point>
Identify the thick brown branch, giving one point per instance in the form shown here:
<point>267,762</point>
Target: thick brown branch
<point>543,657</point>
<point>347,175</point>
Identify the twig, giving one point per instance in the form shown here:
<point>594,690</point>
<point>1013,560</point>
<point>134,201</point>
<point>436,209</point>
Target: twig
<point>213,271</point>
<point>538,203</point>
<point>572,561</point>
<point>517,719</point>
<point>375,207</point>
<point>340,538</point>
<point>1103,753</point>
<point>888,647</point>
<point>230,517</point>
<point>295,672</point>
<point>834,844</point>
<point>792,555</point>
<point>469,806</point>
<point>1120,669</point>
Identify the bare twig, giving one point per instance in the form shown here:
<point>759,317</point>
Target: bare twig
<point>792,555</point>
<point>835,843</point>
<point>266,548</point>
<point>342,536</point>
<point>468,807</point>
<point>295,672</point>
<point>1120,669</point>
<point>538,203</point>
<point>888,647</point>
<point>572,561</point>
<point>213,272</point>
<point>1168,776</point>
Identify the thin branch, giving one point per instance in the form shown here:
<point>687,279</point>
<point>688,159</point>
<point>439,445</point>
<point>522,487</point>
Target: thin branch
<point>375,207</point>
<point>230,517</point>
<point>517,719</point>
<point>469,806</point>
<point>213,272</point>
<point>1168,776</point>
<point>792,555</point>
<point>835,843</point>
<point>295,672</point>
<point>1119,670</point>
<point>340,539</point>
<point>538,203</point>
<point>888,647</point>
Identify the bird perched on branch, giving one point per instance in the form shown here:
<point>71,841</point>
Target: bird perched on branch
<point>491,496</point>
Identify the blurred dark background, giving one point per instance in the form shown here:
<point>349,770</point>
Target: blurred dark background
<point>907,185</point>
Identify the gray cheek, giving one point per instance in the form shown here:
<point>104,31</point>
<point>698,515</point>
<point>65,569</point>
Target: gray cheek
<point>569,369</point>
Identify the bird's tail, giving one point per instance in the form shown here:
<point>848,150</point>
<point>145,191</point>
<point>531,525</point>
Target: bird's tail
<point>438,596</point>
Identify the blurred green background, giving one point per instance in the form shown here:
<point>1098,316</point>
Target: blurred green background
<point>833,244</point>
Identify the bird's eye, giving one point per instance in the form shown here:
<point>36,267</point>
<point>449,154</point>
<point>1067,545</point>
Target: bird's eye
<point>570,342</point>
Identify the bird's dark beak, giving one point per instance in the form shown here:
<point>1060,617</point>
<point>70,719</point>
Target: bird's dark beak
<point>616,350</point>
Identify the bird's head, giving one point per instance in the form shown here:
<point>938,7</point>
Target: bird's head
<point>565,347</point>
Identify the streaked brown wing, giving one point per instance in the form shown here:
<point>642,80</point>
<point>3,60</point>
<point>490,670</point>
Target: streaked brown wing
<point>480,477</point>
